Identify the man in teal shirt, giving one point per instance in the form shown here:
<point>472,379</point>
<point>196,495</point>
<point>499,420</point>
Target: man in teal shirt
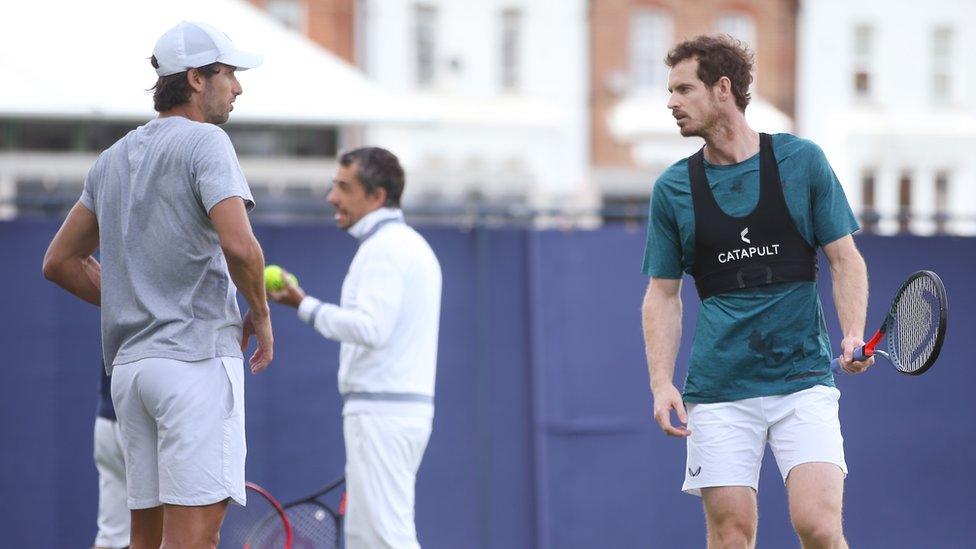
<point>744,217</point>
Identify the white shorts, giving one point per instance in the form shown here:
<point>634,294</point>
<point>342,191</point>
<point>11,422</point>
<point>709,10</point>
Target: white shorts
<point>113,514</point>
<point>182,427</point>
<point>728,438</point>
<point>383,454</point>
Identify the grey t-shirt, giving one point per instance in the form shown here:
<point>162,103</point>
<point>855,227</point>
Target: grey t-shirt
<point>166,292</point>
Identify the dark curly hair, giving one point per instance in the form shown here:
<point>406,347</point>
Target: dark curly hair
<point>375,168</point>
<point>719,56</point>
<point>174,90</point>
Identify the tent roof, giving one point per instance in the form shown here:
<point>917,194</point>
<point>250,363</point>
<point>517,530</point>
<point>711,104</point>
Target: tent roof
<point>636,117</point>
<point>90,60</point>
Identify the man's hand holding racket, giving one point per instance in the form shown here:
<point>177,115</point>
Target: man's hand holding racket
<point>913,330</point>
<point>846,359</point>
<point>666,400</point>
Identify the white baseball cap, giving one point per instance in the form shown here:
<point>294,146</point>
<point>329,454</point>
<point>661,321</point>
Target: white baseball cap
<point>192,45</point>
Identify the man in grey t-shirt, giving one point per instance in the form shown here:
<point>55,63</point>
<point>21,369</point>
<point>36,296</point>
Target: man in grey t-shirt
<point>166,206</point>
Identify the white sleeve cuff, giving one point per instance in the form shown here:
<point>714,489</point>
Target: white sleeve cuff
<point>308,308</point>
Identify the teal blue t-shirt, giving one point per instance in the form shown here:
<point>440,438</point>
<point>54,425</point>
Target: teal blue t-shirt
<point>767,340</point>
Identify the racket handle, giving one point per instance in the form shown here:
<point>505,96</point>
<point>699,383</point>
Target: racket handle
<point>858,355</point>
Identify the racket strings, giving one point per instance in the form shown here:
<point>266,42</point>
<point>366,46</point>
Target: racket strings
<point>255,526</point>
<point>912,338</point>
<point>314,526</point>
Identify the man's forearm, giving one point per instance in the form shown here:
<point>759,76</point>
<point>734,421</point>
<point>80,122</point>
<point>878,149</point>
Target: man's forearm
<point>80,276</point>
<point>347,325</point>
<point>850,280</point>
<point>246,268</point>
<point>661,315</point>
<point>68,261</point>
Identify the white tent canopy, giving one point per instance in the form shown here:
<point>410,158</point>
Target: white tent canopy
<point>648,115</point>
<point>90,60</point>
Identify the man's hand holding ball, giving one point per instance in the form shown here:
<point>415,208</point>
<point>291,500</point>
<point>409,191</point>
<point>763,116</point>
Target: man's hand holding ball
<point>282,286</point>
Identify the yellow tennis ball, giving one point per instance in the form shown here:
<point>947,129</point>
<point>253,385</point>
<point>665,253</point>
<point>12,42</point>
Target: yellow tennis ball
<point>274,278</point>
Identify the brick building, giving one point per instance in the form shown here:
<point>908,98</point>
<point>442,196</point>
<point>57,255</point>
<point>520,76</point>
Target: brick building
<point>633,137</point>
<point>330,23</point>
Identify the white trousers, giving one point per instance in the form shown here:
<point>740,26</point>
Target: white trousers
<point>113,513</point>
<point>383,454</point>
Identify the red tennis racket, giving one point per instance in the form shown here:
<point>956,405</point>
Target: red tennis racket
<point>914,328</point>
<point>261,524</point>
<point>316,519</point>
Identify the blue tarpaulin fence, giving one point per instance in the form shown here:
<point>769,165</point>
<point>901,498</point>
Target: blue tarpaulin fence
<point>543,434</point>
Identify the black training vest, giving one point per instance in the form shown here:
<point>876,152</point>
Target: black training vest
<point>763,247</point>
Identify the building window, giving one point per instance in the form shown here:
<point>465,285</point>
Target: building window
<point>941,64</point>
<point>738,25</point>
<point>102,135</point>
<point>291,13</point>
<point>904,201</point>
<point>862,83</point>
<point>284,141</point>
<point>941,201</point>
<point>88,136</point>
<point>742,27</point>
<point>863,50</point>
<point>511,26</point>
<point>425,28</point>
<point>60,135</point>
<point>650,38</point>
<point>869,213</point>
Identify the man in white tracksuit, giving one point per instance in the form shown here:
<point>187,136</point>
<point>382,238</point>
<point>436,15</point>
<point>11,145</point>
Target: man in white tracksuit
<point>113,512</point>
<point>387,322</point>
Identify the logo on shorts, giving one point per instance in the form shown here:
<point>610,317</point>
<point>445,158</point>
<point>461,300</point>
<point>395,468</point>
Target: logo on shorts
<point>696,472</point>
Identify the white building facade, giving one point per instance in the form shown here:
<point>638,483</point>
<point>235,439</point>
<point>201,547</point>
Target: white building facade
<point>502,87</point>
<point>888,89</point>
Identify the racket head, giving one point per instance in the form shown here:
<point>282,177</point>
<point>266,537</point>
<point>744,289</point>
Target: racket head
<point>314,524</point>
<point>261,524</point>
<point>916,324</point>
<point>317,524</point>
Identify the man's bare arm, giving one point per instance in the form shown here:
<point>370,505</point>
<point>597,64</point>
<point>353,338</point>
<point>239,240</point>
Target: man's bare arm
<point>245,262</point>
<point>849,276</point>
<point>68,261</point>
<point>661,316</point>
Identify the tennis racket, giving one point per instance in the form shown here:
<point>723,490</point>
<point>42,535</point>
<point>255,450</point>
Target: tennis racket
<point>316,520</point>
<point>914,327</point>
<point>261,524</point>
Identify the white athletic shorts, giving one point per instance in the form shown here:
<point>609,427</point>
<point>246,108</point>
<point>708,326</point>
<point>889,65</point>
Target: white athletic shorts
<point>728,438</point>
<point>383,454</point>
<point>182,427</point>
<point>113,514</point>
